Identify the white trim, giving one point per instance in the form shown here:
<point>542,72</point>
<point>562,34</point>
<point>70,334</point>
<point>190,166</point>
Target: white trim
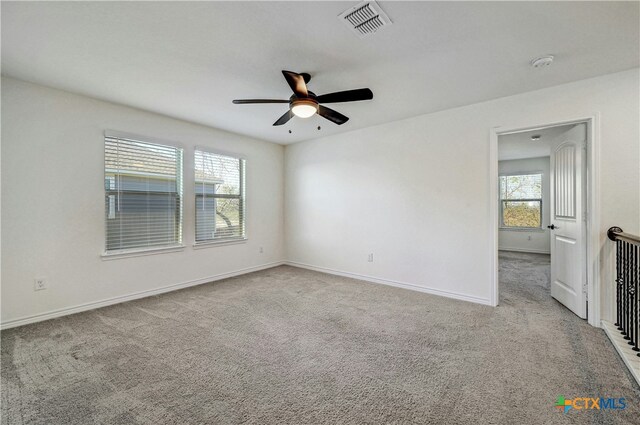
<point>526,159</point>
<point>529,250</point>
<point>221,242</point>
<point>521,173</point>
<point>523,229</point>
<point>593,206</point>
<point>593,221</point>
<point>140,252</point>
<point>494,212</point>
<point>137,295</point>
<point>411,286</point>
<point>629,357</point>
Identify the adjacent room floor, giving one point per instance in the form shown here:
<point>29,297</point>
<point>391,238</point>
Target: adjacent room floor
<point>291,346</point>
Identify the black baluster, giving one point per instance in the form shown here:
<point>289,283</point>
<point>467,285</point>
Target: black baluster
<point>627,282</point>
<point>623,316</point>
<point>631,289</point>
<point>633,304</point>
<point>623,288</point>
<point>618,285</point>
<point>636,273</point>
<point>625,274</point>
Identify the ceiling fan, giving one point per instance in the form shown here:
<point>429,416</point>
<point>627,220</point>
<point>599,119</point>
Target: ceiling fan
<point>304,103</point>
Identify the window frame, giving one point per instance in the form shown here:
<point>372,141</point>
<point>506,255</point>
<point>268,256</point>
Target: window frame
<point>145,250</point>
<point>501,201</point>
<point>242,200</point>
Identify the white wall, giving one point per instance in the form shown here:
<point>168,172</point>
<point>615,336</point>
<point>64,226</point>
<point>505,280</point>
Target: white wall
<point>529,240</point>
<point>416,192</point>
<point>413,192</point>
<point>53,203</point>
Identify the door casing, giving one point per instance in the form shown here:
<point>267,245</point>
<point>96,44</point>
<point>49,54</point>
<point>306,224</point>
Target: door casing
<point>593,206</point>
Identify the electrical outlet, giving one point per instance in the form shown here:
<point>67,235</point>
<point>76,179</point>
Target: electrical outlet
<point>370,258</point>
<point>529,237</point>
<point>261,250</point>
<point>40,283</point>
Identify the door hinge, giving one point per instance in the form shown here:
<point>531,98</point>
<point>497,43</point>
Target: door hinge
<point>585,216</point>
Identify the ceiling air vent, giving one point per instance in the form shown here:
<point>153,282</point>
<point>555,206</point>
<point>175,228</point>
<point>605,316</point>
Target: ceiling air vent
<point>365,18</point>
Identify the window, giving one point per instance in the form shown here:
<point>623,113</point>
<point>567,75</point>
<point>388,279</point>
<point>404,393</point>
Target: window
<point>219,188</point>
<point>521,200</point>
<point>143,194</point>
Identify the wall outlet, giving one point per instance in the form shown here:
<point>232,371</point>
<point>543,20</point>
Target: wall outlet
<point>370,258</point>
<point>40,283</point>
<point>261,250</point>
<point>529,237</point>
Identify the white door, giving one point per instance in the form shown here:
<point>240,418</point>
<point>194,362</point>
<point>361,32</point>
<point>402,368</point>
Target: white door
<point>568,220</point>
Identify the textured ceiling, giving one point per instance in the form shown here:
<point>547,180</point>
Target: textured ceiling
<point>190,59</point>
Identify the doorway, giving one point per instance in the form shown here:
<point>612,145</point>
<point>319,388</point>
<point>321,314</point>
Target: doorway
<point>543,180</point>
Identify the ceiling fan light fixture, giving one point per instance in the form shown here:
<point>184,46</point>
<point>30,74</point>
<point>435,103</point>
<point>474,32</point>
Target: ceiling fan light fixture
<point>304,108</point>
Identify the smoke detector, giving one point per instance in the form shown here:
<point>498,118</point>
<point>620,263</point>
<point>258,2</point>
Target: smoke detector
<point>542,61</point>
<point>365,18</point>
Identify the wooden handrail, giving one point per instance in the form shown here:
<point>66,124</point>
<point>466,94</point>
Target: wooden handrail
<point>615,233</point>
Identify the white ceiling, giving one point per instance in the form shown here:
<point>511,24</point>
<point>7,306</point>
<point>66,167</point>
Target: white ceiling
<point>520,145</point>
<point>190,59</point>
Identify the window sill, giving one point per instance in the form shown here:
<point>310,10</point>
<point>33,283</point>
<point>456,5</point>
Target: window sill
<point>141,252</point>
<point>523,229</point>
<point>209,244</point>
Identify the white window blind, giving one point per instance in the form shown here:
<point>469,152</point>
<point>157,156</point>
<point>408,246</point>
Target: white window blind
<point>219,189</point>
<point>521,200</point>
<point>143,187</point>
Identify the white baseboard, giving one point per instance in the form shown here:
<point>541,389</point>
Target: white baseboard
<point>629,357</point>
<point>531,251</point>
<point>411,286</point>
<point>137,295</point>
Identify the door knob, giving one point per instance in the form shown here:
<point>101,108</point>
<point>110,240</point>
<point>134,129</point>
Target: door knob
<point>551,227</point>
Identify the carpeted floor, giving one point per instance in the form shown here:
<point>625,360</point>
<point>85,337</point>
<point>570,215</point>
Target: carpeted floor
<point>291,346</point>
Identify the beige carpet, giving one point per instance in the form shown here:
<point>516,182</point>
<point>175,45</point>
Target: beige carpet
<point>290,346</point>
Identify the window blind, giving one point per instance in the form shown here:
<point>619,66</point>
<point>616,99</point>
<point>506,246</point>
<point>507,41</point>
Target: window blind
<point>143,194</point>
<point>219,192</point>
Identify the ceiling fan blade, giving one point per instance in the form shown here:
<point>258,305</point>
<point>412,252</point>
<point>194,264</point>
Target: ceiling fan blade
<point>332,115</point>
<point>247,101</point>
<point>284,118</point>
<point>346,96</point>
<point>296,82</point>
